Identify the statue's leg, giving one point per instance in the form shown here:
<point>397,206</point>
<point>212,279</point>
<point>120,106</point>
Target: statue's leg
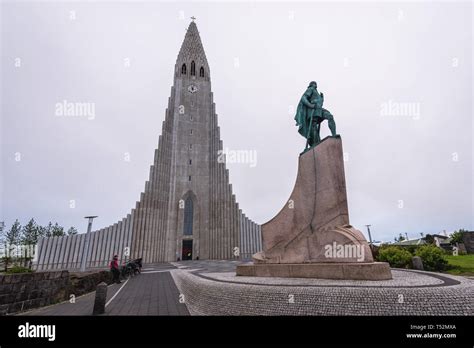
<point>331,123</point>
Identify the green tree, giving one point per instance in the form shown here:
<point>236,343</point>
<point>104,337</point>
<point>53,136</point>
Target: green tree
<point>395,256</point>
<point>433,257</point>
<point>12,238</point>
<point>72,231</point>
<point>456,237</point>
<point>57,231</point>
<point>48,230</point>
<point>29,238</point>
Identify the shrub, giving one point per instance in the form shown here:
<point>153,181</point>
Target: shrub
<point>19,269</point>
<point>395,256</point>
<point>432,257</point>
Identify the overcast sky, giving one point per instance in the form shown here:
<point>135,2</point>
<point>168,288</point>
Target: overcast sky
<point>397,77</point>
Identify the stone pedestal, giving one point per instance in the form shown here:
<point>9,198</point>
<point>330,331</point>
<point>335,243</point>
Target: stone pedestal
<point>311,236</point>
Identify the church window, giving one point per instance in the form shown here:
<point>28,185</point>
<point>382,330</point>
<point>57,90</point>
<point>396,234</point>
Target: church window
<point>201,72</point>
<point>188,217</point>
<point>183,69</point>
<point>193,68</point>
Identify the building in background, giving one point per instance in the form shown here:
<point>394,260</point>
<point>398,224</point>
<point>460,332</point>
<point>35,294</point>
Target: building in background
<point>187,210</point>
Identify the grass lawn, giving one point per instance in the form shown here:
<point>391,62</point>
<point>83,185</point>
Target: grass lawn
<point>463,264</point>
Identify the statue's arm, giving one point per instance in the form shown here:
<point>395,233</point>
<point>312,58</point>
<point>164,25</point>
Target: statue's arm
<point>305,99</point>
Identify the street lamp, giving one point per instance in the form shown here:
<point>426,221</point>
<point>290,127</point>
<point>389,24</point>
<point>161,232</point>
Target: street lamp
<point>85,251</point>
<point>368,230</point>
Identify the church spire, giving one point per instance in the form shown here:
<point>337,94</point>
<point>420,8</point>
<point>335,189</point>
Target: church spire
<point>192,55</point>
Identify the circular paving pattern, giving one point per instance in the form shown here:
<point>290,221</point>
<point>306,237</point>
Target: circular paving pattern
<point>216,290</point>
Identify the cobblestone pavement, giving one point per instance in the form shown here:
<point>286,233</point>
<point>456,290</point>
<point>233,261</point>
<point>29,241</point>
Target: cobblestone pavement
<point>211,288</point>
<point>151,293</point>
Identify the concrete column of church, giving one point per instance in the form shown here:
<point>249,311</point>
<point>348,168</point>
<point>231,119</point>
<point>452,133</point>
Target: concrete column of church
<point>126,223</point>
<point>227,216</point>
<point>100,241</point>
<point>254,236</point>
<point>100,250</point>
<point>216,191</point>
<point>232,223</point>
<point>236,227</point>
<point>103,247</point>
<point>141,226</point>
<point>82,245</point>
<point>119,245</point>
<point>116,249</point>
<point>131,232</point>
<point>151,228</point>
<point>70,252</point>
<point>163,195</point>
<point>108,250</point>
<point>75,251</point>
<point>145,221</point>
<point>59,252</point>
<point>98,246</point>
<point>159,201</point>
<point>106,246</point>
<point>105,243</point>
<point>93,247</point>
<point>123,241</point>
<point>157,195</point>
<point>243,237</point>
<point>62,251</point>
<point>154,224</point>
<point>164,191</point>
<point>153,203</point>
<point>52,251</point>
<point>211,187</point>
<point>89,250</point>
<point>108,243</point>
<point>37,255</point>
<point>42,253</point>
<point>224,237</point>
<point>220,235</point>
<point>136,230</point>
<point>166,203</point>
<point>247,235</point>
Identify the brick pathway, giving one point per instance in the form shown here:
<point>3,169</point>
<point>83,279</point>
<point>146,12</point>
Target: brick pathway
<point>151,293</point>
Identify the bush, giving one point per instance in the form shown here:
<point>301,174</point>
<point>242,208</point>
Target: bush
<point>19,269</point>
<point>395,256</point>
<point>432,257</point>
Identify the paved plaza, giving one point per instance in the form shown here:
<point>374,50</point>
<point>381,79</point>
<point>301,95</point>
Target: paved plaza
<point>212,288</point>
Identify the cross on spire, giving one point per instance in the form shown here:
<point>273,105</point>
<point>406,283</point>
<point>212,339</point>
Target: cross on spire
<point>193,18</point>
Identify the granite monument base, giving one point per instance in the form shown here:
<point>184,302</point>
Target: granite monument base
<point>352,271</point>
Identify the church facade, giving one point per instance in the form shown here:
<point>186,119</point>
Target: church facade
<point>187,209</point>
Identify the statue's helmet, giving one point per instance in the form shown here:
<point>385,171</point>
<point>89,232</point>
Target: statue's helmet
<point>313,84</point>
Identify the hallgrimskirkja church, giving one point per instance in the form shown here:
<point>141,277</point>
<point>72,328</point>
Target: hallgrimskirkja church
<point>187,209</point>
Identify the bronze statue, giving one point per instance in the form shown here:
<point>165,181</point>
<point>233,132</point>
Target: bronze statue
<point>310,114</point>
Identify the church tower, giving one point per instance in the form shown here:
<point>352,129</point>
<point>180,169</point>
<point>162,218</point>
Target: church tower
<point>187,209</point>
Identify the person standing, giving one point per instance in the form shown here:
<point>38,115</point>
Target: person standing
<point>114,268</point>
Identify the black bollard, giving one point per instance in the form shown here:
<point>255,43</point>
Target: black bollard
<point>100,298</point>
